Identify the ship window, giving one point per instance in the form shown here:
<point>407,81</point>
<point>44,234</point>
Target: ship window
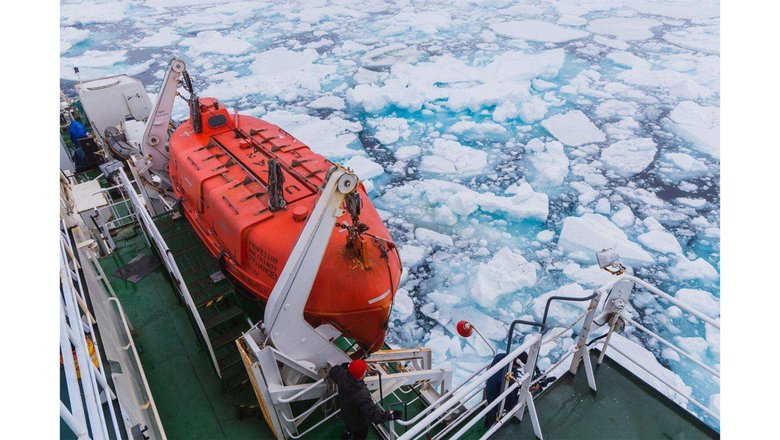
<point>217,121</point>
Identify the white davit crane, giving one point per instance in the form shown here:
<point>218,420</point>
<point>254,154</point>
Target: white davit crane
<point>153,144</point>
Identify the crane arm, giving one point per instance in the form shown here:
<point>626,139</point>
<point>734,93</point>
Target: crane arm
<point>284,321</point>
<point>153,142</point>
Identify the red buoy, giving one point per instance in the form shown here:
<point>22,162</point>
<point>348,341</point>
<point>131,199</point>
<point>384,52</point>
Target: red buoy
<point>465,328</point>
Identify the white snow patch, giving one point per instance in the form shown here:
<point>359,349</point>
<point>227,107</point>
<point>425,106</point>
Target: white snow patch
<point>327,102</point>
<point>534,30</point>
<point>428,236</point>
<point>582,237</point>
<point>700,300</point>
<point>450,157</point>
<point>698,269</point>
<point>330,137</point>
<point>407,152</point>
<point>573,128</point>
<point>624,28</point>
<point>629,157</point>
<point>549,160</point>
<point>698,125</point>
<point>505,273</point>
<point>364,167</point>
<point>661,241</point>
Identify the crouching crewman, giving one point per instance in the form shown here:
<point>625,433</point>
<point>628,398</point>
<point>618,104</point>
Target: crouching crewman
<point>358,410</point>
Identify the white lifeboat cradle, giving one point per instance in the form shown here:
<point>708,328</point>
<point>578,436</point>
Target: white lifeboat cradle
<point>287,359</point>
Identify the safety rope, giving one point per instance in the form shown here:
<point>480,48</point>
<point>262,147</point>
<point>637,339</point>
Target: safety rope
<point>554,366</point>
<point>579,318</point>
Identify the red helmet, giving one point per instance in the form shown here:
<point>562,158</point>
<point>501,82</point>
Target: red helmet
<point>357,369</point>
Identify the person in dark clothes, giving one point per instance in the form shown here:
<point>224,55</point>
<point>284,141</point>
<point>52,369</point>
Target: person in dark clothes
<point>358,410</point>
<point>493,386</point>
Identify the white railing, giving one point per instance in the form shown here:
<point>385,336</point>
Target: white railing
<point>696,314</point>
<point>461,395</point>
<point>153,236</point>
<point>75,323</point>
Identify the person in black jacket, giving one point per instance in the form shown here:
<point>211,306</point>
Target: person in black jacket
<point>358,410</point>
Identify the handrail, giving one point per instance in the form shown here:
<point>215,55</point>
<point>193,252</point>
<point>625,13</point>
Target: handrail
<point>308,411</point>
<point>446,406</point>
<point>146,220</point>
<point>494,403</point>
<point>664,295</point>
<point>674,347</point>
<point>441,399</point>
<point>301,392</point>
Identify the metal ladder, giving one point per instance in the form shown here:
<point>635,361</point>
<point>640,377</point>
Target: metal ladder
<point>213,294</point>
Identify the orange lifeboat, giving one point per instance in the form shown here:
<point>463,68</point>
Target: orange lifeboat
<point>221,175</point>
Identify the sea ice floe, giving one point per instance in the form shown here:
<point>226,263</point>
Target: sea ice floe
<point>700,300</point>
<point>364,167</point>
<point>412,255</point>
<point>292,74</point>
<point>70,36</point>
<point>591,276</point>
<point>475,130</point>
<point>327,102</point>
<point>561,312</point>
<point>389,130</point>
<point>159,38</point>
<point>699,125</point>
<point>420,198</point>
<point>660,241</point>
<point>507,272</point>
<point>534,30</point>
<point>573,128</point>
<point>451,157</point>
<point>214,42</point>
<point>407,152</point>
<point>629,157</point>
<point>582,237</point>
<point>624,28</point>
<point>703,39</point>
<point>624,217</point>
<point>108,12</point>
<point>549,160</point>
<point>456,84</point>
<point>427,236</point>
<point>698,269</point>
<point>330,137</point>
<point>94,64</point>
<point>403,306</point>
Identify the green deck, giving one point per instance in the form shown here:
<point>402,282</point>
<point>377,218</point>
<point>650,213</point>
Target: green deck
<point>189,396</point>
<point>193,403</point>
<point>623,408</point>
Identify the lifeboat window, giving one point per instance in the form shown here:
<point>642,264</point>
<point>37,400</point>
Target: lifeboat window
<point>217,121</point>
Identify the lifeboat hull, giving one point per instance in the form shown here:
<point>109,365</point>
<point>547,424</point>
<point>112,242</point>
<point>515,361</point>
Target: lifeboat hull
<point>221,177</point>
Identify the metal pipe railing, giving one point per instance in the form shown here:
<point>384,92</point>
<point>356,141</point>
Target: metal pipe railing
<point>658,292</point>
<point>464,390</point>
<point>165,255</point>
<point>674,347</point>
<point>441,399</point>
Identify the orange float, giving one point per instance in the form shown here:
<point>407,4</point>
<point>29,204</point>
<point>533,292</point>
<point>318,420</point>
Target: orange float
<point>221,175</point>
